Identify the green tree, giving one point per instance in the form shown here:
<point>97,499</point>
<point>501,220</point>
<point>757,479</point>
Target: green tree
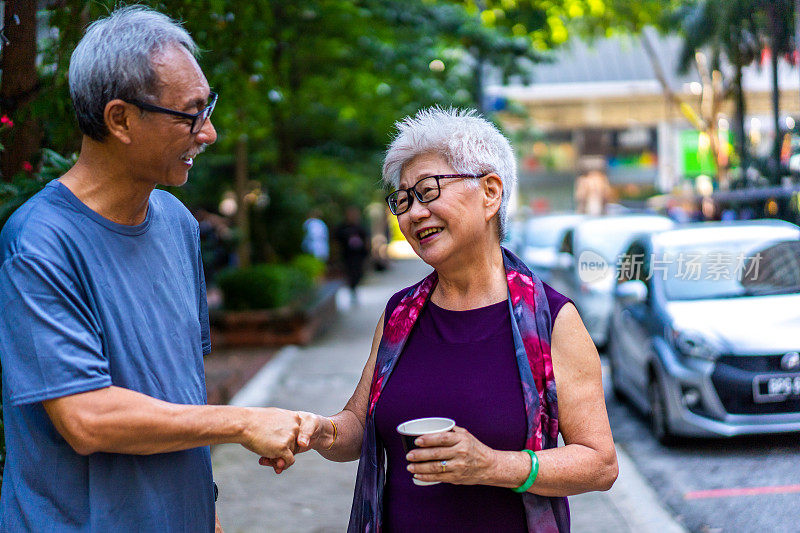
<point>322,78</point>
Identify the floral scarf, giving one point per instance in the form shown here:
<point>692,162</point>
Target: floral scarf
<point>531,326</point>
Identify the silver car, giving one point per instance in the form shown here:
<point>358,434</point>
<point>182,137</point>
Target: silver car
<point>705,332</point>
<point>541,238</point>
<point>589,255</point>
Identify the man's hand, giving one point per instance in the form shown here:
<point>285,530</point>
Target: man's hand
<point>272,433</point>
<point>315,433</point>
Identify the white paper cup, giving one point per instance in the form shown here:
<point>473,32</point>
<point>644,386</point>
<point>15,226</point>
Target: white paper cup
<point>412,429</point>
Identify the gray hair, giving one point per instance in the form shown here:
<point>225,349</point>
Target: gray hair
<point>114,60</point>
<point>468,142</point>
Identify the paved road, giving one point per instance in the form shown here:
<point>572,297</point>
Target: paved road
<point>771,464</point>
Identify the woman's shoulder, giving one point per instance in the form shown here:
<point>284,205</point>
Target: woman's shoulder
<point>555,301</point>
<point>394,301</point>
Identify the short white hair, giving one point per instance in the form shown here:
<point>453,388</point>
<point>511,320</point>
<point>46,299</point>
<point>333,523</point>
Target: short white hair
<point>468,142</point>
<point>114,59</point>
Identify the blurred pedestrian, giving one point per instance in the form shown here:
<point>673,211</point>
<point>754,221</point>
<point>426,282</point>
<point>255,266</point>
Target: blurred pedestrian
<point>480,340</point>
<point>379,229</point>
<point>354,245</point>
<point>105,323</point>
<point>593,192</point>
<point>216,249</point>
<point>315,236</point>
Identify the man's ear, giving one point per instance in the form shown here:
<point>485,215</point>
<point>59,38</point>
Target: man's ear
<point>492,194</point>
<point>118,116</point>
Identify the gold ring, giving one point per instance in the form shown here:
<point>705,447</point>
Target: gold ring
<point>444,466</point>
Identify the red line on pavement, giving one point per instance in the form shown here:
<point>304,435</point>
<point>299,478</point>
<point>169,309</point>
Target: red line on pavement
<point>741,491</point>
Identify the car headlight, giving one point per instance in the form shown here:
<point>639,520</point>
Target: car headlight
<point>694,344</point>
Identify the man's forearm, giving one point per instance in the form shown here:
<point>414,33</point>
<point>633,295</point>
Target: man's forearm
<point>118,420</point>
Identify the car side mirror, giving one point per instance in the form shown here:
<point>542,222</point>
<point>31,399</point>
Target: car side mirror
<point>631,292</point>
<point>565,260</point>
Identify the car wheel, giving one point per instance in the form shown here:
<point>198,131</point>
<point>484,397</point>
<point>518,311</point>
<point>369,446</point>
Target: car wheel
<point>659,421</point>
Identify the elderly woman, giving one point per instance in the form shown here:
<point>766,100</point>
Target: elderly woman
<point>480,340</point>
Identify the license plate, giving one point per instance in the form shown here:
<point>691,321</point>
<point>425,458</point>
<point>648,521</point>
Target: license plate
<point>776,388</point>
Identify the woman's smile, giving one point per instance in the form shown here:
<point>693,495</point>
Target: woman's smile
<point>428,234</point>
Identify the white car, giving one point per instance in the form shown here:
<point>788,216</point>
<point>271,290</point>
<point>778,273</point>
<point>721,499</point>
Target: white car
<point>587,264</point>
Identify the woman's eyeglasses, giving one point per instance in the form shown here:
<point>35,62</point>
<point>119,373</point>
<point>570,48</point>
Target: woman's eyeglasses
<point>425,190</point>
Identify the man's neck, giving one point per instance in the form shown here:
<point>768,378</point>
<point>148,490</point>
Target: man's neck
<point>104,183</point>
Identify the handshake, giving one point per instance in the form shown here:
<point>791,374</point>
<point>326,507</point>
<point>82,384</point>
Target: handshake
<point>277,435</point>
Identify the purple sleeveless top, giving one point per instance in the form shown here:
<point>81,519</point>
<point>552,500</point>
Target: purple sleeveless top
<point>460,365</point>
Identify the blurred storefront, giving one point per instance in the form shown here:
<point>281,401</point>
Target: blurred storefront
<point>603,99</point>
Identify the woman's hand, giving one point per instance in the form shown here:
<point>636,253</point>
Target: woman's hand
<point>467,461</point>
<point>316,433</point>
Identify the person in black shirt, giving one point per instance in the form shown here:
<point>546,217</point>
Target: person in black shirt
<point>354,243</point>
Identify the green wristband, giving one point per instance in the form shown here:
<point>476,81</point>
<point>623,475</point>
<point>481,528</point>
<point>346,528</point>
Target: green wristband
<point>532,476</point>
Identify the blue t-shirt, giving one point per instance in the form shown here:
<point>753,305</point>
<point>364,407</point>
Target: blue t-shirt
<point>88,303</point>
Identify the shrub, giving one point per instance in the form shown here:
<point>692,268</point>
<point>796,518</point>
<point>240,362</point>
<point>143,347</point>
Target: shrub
<point>310,265</point>
<point>263,286</point>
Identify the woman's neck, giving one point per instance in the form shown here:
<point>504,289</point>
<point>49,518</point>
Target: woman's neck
<point>479,282</point>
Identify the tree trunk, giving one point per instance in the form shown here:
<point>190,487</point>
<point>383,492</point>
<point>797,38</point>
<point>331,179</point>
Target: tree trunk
<point>741,113</point>
<point>243,251</point>
<point>776,117</point>
<point>20,83</point>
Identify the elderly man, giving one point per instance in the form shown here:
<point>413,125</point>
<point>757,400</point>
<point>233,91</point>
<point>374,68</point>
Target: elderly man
<point>104,323</point>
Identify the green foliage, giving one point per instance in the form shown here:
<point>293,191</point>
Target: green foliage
<point>318,82</point>
<point>264,286</point>
<point>16,192</point>
<point>551,23</point>
<point>326,181</point>
<point>312,267</point>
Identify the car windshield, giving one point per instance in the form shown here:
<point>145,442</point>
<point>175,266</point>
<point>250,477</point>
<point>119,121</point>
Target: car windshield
<point>729,269</point>
<point>609,240</point>
<point>546,232</point>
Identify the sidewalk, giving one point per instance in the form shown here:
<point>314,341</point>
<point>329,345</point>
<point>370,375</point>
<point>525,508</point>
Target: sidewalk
<point>314,495</point>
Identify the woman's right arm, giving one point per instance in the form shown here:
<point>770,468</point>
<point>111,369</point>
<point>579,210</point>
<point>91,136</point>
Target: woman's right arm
<point>350,421</point>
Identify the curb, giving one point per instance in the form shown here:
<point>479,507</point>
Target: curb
<point>258,391</point>
<point>637,503</point>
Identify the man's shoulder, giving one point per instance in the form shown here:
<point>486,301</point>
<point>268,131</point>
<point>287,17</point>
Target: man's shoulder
<point>36,226</point>
<point>173,208</point>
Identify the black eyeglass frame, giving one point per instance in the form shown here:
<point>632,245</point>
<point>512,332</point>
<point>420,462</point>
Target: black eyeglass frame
<point>416,193</point>
<point>204,113</point>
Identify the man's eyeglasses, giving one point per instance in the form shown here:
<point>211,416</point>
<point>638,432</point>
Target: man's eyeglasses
<point>198,119</point>
<point>426,190</point>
